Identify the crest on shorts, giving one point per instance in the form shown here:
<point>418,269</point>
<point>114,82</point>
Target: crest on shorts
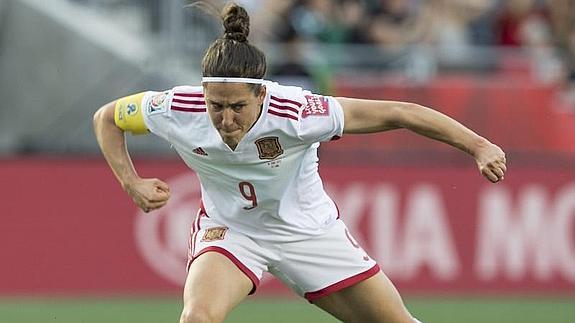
<point>269,147</point>
<point>212,234</point>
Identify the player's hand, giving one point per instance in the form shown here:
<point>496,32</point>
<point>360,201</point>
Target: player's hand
<point>148,193</point>
<point>491,162</point>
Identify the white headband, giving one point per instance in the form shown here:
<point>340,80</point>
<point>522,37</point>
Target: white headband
<point>218,79</point>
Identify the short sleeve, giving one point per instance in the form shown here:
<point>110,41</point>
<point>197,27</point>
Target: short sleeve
<point>156,112</point>
<point>321,119</point>
<point>144,112</point>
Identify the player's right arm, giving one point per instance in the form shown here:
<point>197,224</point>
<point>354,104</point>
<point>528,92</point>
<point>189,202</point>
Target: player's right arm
<point>111,122</point>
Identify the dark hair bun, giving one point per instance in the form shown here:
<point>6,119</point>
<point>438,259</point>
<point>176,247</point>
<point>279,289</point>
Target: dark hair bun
<point>236,23</point>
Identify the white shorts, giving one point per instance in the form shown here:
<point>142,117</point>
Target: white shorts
<point>313,268</point>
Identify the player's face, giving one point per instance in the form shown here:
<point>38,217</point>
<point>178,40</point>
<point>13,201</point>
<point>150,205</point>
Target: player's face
<point>233,108</point>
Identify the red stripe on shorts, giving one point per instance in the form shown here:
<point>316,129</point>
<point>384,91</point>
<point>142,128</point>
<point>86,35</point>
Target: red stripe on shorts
<point>350,281</point>
<point>193,235</point>
<point>236,261</point>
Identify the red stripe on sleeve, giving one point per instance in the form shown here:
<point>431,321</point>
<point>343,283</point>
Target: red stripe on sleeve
<point>284,107</point>
<point>282,100</point>
<point>190,95</point>
<point>194,102</point>
<point>284,115</point>
<point>188,109</point>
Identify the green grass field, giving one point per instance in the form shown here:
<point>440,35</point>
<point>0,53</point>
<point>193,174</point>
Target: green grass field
<point>159,310</point>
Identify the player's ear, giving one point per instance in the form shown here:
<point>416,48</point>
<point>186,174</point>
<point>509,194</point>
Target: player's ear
<point>262,94</point>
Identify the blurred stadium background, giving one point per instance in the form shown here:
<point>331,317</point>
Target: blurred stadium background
<point>74,248</point>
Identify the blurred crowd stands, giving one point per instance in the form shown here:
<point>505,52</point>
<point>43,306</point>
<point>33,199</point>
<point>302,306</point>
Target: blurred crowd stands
<point>393,49</point>
<point>442,35</point>
<point>418,38</point>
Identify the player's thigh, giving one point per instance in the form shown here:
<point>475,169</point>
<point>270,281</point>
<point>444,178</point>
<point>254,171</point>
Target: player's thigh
<point>214,286</point>
<point>372,300</point>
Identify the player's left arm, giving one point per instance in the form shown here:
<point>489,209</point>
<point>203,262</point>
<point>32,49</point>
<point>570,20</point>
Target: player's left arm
<point>368,116</point>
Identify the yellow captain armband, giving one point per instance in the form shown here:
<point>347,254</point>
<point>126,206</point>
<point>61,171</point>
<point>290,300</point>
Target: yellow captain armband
<point>129,115</point>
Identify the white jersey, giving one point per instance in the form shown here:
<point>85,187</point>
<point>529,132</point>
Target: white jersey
<point>269,187</point>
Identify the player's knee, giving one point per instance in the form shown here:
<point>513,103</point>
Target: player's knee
<point>200,314</point>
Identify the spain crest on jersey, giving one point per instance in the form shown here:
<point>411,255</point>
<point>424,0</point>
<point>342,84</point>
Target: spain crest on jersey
<point>269,147</point>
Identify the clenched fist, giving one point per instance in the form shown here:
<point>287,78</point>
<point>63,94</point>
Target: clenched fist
<point>148,193</point>
<point>491,162</point>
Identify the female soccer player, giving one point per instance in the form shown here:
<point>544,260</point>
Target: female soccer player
<point>253,144</point>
